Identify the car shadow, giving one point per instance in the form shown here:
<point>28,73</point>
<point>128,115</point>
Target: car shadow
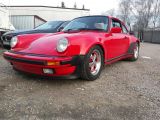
<point>50,80</point>
<point>67,79</point>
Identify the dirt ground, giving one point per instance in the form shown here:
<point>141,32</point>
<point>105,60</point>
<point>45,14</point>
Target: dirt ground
<point>125,91</point>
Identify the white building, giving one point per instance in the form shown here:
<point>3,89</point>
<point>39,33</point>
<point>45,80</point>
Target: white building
<point>47,13</point>
<point>5,24</point>
<point>23,22</point>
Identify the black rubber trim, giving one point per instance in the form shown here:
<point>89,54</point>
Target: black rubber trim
<point>131,48</point>
<point>76,60</point>
<point>32,54</point>
<point>25,61</point>
<point>112,59</point>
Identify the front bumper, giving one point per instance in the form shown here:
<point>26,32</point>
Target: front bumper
<point>36,63</point>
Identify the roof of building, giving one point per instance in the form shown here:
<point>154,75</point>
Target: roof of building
<point>151,29</point>
<point>48,7</point>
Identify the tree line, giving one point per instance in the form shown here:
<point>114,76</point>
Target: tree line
<point>138,14</point>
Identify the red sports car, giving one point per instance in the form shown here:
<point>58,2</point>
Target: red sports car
<point>82,48</point>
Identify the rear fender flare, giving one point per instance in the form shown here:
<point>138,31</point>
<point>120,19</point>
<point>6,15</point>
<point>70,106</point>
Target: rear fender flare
<point>131,48</point>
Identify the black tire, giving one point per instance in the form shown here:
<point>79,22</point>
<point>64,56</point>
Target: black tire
<point>135,57</point>
<point>85,70</point>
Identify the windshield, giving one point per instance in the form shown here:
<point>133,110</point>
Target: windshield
<point>49,25</point>
<point>88,23</point>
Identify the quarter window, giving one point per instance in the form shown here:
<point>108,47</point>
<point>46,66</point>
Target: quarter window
<point>116,23</point>
<point>124,29</point>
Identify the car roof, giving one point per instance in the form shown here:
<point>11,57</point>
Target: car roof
<point>92,16</point>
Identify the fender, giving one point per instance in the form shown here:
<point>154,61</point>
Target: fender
<point>85,44</point>
<point>26,39</point>
<point>131,47</point>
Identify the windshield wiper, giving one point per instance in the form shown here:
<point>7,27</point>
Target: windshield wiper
<point>70,30</point>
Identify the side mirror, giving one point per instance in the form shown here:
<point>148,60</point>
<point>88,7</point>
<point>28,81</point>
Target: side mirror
<point>60,29</point>
<point>131,33</point>
<point>116,30</point>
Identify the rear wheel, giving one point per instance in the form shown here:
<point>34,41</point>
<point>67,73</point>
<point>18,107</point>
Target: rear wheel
<point>93,64</point>
<point>135,53</point>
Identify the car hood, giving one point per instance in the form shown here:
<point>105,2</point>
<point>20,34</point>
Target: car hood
<point>15,33</point>
<point>47,44</point>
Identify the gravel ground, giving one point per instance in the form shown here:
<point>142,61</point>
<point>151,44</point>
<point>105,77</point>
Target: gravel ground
<point>125,91</point>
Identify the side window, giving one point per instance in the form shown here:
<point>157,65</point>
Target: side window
<point>124,29</point>
<point>116,23</point>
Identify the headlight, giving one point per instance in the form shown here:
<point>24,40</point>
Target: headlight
<point>14,42</point>
<point>62,45</point>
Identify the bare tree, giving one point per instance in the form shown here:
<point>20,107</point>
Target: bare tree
<point>143,12</point>
<point>156,13</point>
<point>125,10</point>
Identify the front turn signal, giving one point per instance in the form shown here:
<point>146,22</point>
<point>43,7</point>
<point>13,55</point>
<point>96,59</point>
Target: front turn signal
<point>49,63</point>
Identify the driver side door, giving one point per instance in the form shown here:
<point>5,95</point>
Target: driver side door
<point>117,44</point>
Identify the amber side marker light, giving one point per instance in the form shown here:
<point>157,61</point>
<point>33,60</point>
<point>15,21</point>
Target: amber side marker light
<point>49,63</point>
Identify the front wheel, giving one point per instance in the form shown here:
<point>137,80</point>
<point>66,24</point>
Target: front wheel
<point>93,64</point>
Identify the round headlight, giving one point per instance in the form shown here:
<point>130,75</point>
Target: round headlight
<point>14,42</point>
<point>62,45</point>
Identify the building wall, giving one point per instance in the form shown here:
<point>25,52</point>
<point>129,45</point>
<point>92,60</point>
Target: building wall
<point>152,36</point>
<point>4,18</point>
<point>49,13</point>
<point>24,22</point>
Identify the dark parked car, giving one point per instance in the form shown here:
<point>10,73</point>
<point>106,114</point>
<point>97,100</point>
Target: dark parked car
<point>48,27</point>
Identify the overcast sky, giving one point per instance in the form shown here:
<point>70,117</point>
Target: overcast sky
<point>96,6</point>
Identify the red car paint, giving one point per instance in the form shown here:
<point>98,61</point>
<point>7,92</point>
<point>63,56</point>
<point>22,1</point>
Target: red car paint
<point>42,47</point>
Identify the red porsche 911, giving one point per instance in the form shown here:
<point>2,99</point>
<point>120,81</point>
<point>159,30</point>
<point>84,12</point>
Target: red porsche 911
<point>84,46</point>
